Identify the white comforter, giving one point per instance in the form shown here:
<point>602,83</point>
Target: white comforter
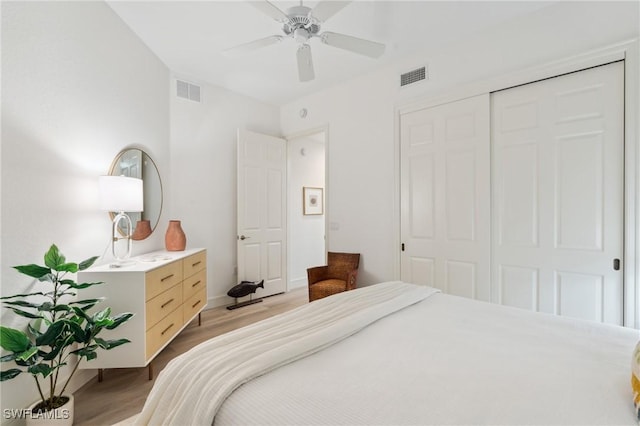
<point>191,388</point>
<point>449,360</point>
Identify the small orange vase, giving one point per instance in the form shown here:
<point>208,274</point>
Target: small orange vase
<point>174,239</point>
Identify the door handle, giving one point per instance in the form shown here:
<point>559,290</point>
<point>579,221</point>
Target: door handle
<point>616,264</point>
<point>242,237</point>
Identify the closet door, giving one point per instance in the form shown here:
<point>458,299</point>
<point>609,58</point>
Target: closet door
<point>557,163</point>
<point>445,202</point>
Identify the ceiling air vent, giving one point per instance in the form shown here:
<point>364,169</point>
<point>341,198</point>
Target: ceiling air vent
<point>413,76</point>
<point>188,91</point>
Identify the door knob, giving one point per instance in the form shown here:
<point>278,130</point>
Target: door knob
<point>242,237</point>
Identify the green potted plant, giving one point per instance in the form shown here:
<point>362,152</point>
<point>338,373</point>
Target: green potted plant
<point>61,331</point>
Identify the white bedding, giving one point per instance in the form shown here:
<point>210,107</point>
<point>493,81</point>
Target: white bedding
<point>449,360</point>
<point>442,360</point>
<point>191,388</point>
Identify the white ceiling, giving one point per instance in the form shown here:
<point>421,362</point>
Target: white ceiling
<point>189,36</point>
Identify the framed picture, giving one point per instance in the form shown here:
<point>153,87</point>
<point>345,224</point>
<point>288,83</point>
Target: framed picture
<point>312,202</point>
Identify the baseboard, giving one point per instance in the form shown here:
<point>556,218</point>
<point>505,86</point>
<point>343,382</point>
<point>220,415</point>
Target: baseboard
<point>298,283</point>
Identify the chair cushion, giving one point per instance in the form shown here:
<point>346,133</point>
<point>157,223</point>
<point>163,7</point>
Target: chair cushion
<point>326,288</point>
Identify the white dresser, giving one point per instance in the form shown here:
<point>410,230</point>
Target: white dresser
<point>165,290</point>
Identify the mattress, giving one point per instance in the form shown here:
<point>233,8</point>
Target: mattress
<point>449,360</point>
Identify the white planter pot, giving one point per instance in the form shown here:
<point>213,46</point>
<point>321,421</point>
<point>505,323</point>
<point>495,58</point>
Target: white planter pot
<point>62,416</point>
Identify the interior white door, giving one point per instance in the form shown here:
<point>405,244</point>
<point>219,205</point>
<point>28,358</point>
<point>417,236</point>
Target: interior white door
<point>445,204</point>
<point>558,194</point>
<point>262,165</point>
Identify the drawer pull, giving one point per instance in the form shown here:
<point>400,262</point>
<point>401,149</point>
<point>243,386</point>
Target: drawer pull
<point>166,329</point>
<point>196,283</point>
<point>196,264</point>
<point>195,304</point>
<point>166,303</point>
<point>167,277</point>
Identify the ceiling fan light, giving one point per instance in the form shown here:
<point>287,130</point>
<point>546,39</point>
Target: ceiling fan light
<point>301,35</point>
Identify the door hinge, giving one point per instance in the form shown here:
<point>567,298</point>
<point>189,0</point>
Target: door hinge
<point>402,247</point>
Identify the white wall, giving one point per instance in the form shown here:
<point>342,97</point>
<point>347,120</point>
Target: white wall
<point>203,185</point>
<point>360,114</point>
<point>306,232</point>
<point>77,87</point>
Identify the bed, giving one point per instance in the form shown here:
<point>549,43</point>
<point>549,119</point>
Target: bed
<point>396,353</point>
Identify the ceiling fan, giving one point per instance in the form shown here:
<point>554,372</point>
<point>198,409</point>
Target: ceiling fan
<point>302,23</point>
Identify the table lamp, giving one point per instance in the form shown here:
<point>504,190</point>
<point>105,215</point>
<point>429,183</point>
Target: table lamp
<point>120,194</point>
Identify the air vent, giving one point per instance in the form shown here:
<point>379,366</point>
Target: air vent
<point>413,76</point>
<point>187,91</point>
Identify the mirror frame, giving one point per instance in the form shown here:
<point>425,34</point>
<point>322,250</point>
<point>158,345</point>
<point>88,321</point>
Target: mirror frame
<point>145,155</point>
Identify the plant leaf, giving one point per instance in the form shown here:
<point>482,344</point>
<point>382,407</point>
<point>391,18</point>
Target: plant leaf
<point>87,263</point>
<point>119,319</point>
<point>47,277</point>
<point>26,355</point>
<point>89,352</point>
<point>83,285</point>
<point>53,258</point>
<point>78,332</point>
<point>9,357</point>
<point>52,334</point>
<point>110,344</point>
<point>102,315</point>
<point>32,270</point>
<point>46,306</point>
<point>9,374</point>
<point>13,340</point>
<point>81,313</point>
<point>87,301</point>
<point>68,267</point>
<point>23,303</point>
<point>41,368</point>
<point>35,330</point>
<point>25,313</point>
<point>23,295</point>
<point>60,308</point>
<point>48,356</point>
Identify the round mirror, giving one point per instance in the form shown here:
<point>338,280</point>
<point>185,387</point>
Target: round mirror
<point>133,162</point>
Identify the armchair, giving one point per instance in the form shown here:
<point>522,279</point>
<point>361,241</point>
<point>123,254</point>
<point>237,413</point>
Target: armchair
<point>338,275</point>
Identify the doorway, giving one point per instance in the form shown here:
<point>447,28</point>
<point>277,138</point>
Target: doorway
<point>306,192</point>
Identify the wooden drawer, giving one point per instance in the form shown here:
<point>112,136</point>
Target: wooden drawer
<point>162,279</point>
<point>194,284</point>
<point>194,304</point>
<point>163,304</point>
<point>163,331</point>
<point>194,263</point>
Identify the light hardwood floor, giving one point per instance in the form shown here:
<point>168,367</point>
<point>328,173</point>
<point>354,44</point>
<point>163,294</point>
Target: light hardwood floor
<point>124,391</point>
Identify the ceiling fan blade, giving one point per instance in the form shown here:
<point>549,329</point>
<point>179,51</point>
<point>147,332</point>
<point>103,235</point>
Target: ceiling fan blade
<point>270,10</point>
<point>353,44</point>
<point>305,63</point>
<point>325,9</point>
<point>253,45</point>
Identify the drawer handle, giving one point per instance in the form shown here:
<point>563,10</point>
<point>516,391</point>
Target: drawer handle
<point>196,264</point>
<point>166,303</point>
<point>166,329</point>
<point>195,304</point>
<point>196,283</point>
<point>167,277</point>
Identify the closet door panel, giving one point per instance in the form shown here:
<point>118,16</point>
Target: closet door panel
<point>445,190</point>
<point>558,194</point>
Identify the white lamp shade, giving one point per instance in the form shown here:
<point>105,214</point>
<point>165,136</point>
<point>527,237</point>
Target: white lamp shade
<point>120,194</point>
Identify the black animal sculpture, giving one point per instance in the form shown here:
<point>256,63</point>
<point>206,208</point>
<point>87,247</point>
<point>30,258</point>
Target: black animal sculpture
<point>245,288</point>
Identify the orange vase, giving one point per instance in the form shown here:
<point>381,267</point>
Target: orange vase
<point>174,239</point>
